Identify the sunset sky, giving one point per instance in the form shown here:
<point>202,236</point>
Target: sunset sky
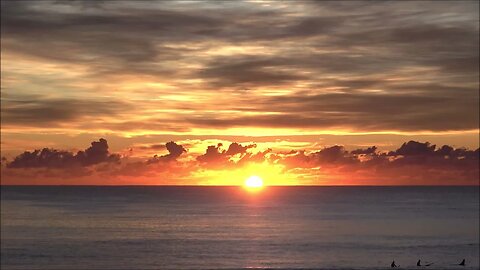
<point>212,92</point>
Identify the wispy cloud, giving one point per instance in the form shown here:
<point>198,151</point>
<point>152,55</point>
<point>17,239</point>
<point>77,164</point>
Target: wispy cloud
<point>362,67</point>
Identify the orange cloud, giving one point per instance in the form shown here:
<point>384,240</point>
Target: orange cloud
<point>413,163</point>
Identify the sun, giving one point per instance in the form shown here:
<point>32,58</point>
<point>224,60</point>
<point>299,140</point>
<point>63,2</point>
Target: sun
<point>254,182</point>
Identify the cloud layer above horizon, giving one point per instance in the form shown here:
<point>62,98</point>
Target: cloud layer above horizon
<point>413,163</point>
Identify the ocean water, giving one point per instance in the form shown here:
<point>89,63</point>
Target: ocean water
<point>148,227</point>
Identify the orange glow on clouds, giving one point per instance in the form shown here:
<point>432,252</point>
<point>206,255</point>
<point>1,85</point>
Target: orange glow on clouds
<point>206,80</point>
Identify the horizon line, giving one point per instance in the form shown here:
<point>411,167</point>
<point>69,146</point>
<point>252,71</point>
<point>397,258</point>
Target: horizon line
<point>266,186</point>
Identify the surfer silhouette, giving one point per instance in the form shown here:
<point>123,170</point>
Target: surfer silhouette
<point>462,263</point>
<point>393,265</point>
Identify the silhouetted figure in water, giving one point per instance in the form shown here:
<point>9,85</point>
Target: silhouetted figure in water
<point>462,263</point>
<point>419,264</point>
<point>393,265</point>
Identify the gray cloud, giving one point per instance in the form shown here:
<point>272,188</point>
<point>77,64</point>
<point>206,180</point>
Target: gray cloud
<point>236,148</point>
<point>414,109</point>
<point>37,110</point>
<point>367,151</point>
<point>247,71</point>
<point>385,66</point>
<point>52,158</point>
<point>174,152</point>
<point>413,161</point>
<point>215,156</point>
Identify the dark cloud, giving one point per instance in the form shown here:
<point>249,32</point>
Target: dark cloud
<point>445,159</point>
<point>216,156</point>
<point>38,110</point>
<point>213,155</point>
<point>174,152</point>
<point>44,158</point>
<point>413,148</point>
<point>247,71</point>
<point>412,163</point>
<point>329,156</point>
<point>236,148</point>
<point>152,146</point>
<point>403,66</point>
<point>97,153</point>
<point>367,151</point>
<point>332,155</point>
<point>415,161</point>
<point>51,158</point>
<point>409,111</point>
<point>445,150</point>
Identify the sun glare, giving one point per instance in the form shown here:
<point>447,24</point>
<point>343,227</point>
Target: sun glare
<point>254,182</point>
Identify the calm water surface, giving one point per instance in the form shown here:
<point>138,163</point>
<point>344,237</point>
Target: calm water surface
<point>229,228</point>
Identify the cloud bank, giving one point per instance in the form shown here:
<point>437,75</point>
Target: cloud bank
<point>51,158</point>
<point>413,163</point>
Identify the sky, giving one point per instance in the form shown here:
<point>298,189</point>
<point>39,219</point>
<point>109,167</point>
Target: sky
<point>212,92</point>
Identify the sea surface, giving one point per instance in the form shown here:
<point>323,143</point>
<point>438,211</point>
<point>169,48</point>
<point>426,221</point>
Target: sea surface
<point>150,227</point>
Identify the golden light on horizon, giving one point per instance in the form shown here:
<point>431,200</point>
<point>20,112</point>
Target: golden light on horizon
<point>254,182</point>
<point>271,175</point>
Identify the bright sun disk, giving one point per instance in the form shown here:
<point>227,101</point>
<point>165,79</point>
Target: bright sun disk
<point>254,182</point>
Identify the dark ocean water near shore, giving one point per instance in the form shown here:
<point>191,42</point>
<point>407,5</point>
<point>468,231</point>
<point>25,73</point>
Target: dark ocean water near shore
<point>147,227</point>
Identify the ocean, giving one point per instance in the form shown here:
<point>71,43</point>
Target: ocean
<point>155,227</point>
